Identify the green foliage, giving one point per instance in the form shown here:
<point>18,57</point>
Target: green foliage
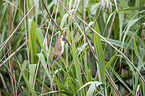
<point>32,40</point>
<point>97,61</point>
<point>100,55</point>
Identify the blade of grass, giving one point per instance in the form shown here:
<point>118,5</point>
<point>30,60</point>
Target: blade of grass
<point>63,20</point>
<point>132,9</point>
<point>32,41</point>
<point>25,91</point>
<point>96,83</point>
<point>91,90</point>
<point>77,65</point>
<point>42,59</point>
<point>130,23</point>
<point>3,11</point>
<point>23,68</point>
<point>32,68</point>
<point>26,80</point>
<point>4,92</point>
<point>100,55</point>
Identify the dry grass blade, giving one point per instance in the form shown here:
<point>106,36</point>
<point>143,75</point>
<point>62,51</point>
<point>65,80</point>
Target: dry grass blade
<point>113,84</point>
<point>13,53</point>
<point>4,83</point>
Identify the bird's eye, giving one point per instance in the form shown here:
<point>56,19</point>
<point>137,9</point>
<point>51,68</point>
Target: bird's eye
<point>55,57</point>
<point>63,39</point>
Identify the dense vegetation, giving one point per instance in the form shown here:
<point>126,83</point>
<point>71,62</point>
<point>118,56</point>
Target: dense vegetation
<point>104,52</point>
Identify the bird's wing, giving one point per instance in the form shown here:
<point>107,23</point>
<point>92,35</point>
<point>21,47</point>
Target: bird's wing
<point>58,47</point>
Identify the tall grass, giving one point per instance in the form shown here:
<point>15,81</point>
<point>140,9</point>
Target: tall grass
<point>104,52</point>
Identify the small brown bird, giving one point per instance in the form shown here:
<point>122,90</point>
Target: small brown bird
<point>59,48</point>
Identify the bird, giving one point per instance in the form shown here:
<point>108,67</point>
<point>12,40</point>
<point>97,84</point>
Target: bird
<point>58,48</point>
